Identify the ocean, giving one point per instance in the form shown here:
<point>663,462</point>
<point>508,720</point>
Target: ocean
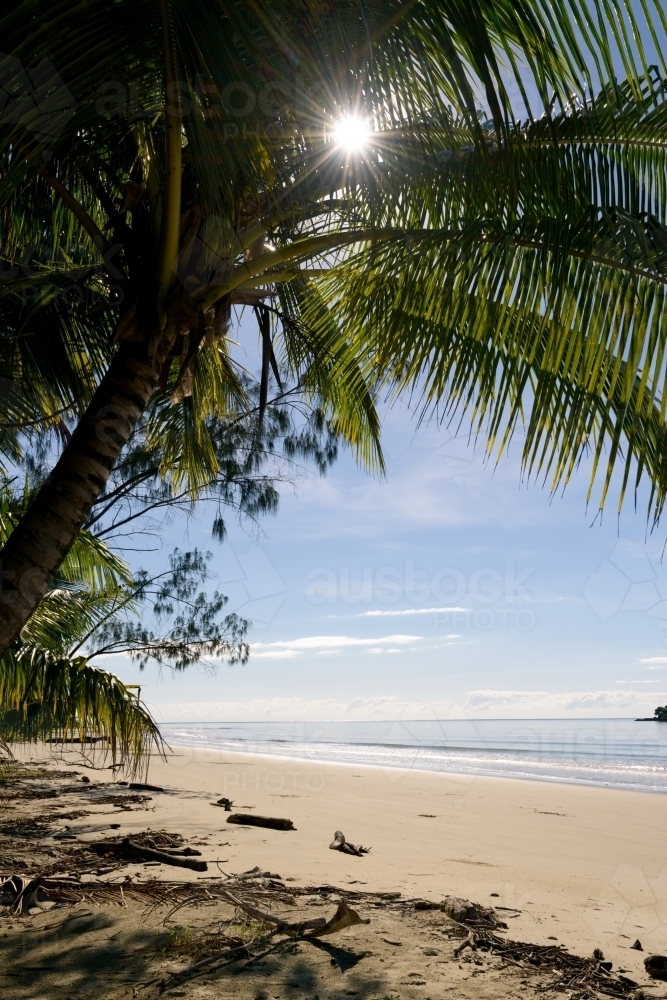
<point>614,753</point>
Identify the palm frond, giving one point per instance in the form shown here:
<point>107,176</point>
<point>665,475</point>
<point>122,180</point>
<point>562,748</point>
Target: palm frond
<point>528,288</point>
<point>49,697</point>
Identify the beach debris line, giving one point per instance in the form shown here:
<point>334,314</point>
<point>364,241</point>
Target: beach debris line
<point>656,966</point>
<point>339,843</point>
<point>269,822</point>
<point>587,976</point>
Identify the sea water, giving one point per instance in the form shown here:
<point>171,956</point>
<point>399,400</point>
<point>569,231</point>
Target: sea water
<point>616,753</point>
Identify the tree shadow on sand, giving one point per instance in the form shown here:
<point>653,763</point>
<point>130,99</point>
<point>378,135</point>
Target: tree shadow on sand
<point>80,951</point>
<point>311,966</point>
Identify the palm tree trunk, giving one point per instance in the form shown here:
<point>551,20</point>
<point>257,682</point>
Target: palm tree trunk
<point>40,542</point>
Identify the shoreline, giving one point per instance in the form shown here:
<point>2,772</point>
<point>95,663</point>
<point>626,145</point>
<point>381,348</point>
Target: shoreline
<point>532,778</point>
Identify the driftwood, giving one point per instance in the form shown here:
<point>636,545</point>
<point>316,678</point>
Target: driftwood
<point>339,843</point>
<point>132,850</point>
<point>344,917</point>
<point>459,909</point>
<point>225,804</point>
<point>656,966</point>
<point>27,894</point>
<point>305,929</point>
<point>77,739</point>
<point>139,787</point>
<point>270,822</point>
<point>468,942</point>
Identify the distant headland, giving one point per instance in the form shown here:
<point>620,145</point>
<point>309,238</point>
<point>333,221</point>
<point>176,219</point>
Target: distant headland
<point>659,715</point>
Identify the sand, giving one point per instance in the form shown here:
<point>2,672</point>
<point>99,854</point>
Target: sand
<point>587,867</point>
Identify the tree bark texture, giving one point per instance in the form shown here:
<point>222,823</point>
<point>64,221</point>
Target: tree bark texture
<point>40,542</point>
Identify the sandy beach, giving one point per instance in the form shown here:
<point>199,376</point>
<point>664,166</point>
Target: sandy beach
<point>586,867</point>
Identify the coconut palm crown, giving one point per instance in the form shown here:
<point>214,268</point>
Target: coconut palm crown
<point>164,161</point>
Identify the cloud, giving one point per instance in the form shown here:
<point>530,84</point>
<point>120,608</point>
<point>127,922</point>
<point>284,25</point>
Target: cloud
<point>276,654</point>
<point>293,647</point>
<point>555,704</point>
<point>362,709</point>
<point>659,662</point>
<point>410,611</point>
<point>482,704</point>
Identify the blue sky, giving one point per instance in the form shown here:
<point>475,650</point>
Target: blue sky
<point>446,590</point>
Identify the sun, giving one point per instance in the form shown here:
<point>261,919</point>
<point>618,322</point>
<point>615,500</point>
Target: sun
<point>351,133</point>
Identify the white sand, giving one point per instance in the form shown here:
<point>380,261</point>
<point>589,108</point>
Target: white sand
<point>586,866</point>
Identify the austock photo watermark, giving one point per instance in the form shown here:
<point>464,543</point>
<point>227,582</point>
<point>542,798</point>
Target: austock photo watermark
<point>486,598</point>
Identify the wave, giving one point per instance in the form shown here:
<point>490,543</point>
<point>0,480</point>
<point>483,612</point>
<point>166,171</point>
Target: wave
<point>610,753</point>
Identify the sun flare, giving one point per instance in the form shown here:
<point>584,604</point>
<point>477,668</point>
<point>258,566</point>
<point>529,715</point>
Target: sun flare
<point>351,133</point>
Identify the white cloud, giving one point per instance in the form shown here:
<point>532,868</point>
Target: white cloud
<point>409,611</point>
<point>550,704</point>
<point>276,654</point>
<point>659,662</point>
<point>293,647</point>
<point>361,709</point>
<point>481,704</point>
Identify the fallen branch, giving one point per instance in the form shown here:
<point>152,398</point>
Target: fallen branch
<point>344,917</point>
<point>339,843</point>
<point>468,942</point>
<point>77,739</point>
<point>270,822</point>
<point>220,956</point>
<point>127,848</point>
<point>27,893</point>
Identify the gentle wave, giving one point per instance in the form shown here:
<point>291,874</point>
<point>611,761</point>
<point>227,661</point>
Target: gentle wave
<point>614,753</point>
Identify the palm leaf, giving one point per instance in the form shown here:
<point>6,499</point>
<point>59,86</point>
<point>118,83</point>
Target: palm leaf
<point>49,697</point>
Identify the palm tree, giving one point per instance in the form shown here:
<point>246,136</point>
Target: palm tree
<point>49,687</point>
<point>178,158</point>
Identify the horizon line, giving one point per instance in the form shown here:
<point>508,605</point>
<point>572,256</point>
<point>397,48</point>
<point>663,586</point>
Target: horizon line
<point>537,718</point>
